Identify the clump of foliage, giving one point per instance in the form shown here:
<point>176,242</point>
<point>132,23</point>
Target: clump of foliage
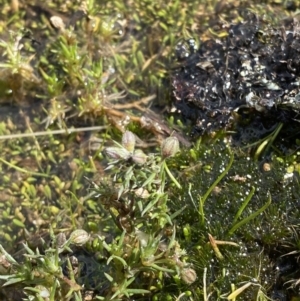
<point>142,253</point>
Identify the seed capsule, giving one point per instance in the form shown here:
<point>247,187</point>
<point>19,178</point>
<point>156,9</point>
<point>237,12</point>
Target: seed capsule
<point>128,141</point>
<point>117,153</point>
<point>139,157</point>
<point>188,275</point>
<point>169,147</point>
<point>79,237</point>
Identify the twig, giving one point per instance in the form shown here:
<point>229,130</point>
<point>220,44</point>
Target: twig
<point>135,104</point>
<point>55,132</point>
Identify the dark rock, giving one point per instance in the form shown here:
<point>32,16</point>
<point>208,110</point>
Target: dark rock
<point>248,80</point>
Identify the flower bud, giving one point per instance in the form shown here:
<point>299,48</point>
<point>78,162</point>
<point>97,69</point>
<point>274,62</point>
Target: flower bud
<point>188,275</point>
<point>128,141</point>
<point>169,147</point>
<point>139,157</point>
<point>79,237</point>
<point>117,153</point>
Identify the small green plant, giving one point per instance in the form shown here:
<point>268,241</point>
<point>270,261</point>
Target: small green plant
<point>144,253</point>
<point>17,75</point>
<point>137,199</point>
<point>41,273</point>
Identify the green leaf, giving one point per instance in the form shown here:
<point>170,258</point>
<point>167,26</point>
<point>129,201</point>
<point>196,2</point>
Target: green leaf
<point>151,204</point>
<point>118,258</point>
<point>250,217</point>
<point>137,291</point>
<point>13,280</point>
<point>109,278</point>
<point>18,223</point>
<point>244,205</point>
<point>8,256</point>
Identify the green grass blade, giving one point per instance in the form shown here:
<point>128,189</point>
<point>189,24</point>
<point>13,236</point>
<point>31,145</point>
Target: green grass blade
<point>244,205</point>
<point>210,189</point>
<point>250,217</point>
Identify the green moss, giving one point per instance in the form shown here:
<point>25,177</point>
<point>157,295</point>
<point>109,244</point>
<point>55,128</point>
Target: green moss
<point>259,239</point>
